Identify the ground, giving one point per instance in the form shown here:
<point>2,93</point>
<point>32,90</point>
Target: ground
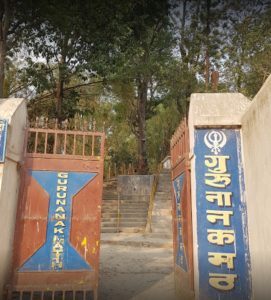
<point>136,273</point>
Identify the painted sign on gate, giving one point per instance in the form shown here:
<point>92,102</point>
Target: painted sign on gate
<point>3,139</point>
<point>223,254</point>
<point>57,253</point>
<point>180,255</point>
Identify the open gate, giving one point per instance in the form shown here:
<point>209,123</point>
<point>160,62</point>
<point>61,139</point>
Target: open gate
<point>182,212</point>
<point>56,245</point>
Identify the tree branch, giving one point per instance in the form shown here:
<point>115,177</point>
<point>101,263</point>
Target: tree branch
<point>70,88</point>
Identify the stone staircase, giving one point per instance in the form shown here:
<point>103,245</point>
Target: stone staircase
<point>133,217</point>
<point>132,212</point>
<point>161,226</point>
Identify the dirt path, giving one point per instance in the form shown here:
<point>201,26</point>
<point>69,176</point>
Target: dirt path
<point>136,273</point>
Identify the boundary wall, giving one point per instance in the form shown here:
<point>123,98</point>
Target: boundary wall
<point>256,132</point>
<point>14,111</point>
<point>253,118</point>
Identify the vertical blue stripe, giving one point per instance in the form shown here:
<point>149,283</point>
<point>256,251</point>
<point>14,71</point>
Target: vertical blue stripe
<point>238,221</point>
<point>69,258</point>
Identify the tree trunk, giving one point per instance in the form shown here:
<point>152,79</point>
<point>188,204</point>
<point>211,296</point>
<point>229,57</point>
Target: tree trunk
<point>2,67</point>
<point>207,55</point>
<point>214,81</point>
<point>207,70</point>
<point>59,99</point>
<point>59,91</point>
<point>142,149</point>
<point>184,15</point>
<point>4,24</point>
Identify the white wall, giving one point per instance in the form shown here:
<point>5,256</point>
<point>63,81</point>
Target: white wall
<point>256,125</point>
<point>218,110</point>
<point>15,111</point>
<point>255,119</point>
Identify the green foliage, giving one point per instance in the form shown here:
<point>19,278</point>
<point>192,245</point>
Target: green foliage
<point>133,65</point>
<point>160,129</point>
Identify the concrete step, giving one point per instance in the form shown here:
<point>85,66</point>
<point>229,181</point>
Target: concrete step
<point>109,224</point>
<point>124,224</point>
<point>123,215</point>
<point>162,219</point>
<point>129,219</point>
<point>167,230</point>
<point>110,197</point>
<point>164,187</point>
<point>109,209</point>
<point>132,219</point>
<point>128,201</point>
<point>165,184</point>
<point>164,178</point>
<point>159,199</point>
<point>131,229</point>
<point>109,185</point>
<point>124,209</point>
<point>132,225</point>
<point>162,228</point>
<point>136,240</point>
<point>109,219</point>
<point>162,193</point>
<point>126,205</point>
<point>134,207</point>
<point>109,230</point>
<point>109,212</point>
<point>163,205</point>
<point>165,190</point>
<point>110,201</point>
<point>133,210</point>
<point>161,235</point>
<point>124,202</point>
<point>142,203</point>
<point>162,212</point>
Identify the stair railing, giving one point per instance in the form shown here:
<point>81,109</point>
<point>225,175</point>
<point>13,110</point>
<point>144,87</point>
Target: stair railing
<point>155,182</point>
<point>118,212</point>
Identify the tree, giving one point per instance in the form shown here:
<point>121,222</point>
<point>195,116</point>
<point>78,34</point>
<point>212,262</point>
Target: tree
<point>248,46</point>
<point>15,19</point>
<point>200,27</point>
<point>160,128</point>
<point>144,54</point>
<point>71,48</point>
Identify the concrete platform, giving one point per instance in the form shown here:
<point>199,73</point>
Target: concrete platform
<point>136,240</point>
<point>133,273</point>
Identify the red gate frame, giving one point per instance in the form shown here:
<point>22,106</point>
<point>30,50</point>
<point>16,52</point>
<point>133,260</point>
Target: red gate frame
<point>33,205</point>
<point>180,164</point>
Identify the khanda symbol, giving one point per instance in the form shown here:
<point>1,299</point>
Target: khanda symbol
<point>215,140</point>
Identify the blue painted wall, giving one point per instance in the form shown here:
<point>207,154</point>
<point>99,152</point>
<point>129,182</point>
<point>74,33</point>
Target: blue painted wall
<point>223,254</point>
<point>3,139</point>
<point>57,254</point>
<point>178,185</point>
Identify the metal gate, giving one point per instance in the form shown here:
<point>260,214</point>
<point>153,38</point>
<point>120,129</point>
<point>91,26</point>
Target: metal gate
<point>182,212</point>
<point>56,245</point>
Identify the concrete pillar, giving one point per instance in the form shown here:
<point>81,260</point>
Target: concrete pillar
<point>216,169</point>
<point>14,111</point>
<point>256,128</point>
